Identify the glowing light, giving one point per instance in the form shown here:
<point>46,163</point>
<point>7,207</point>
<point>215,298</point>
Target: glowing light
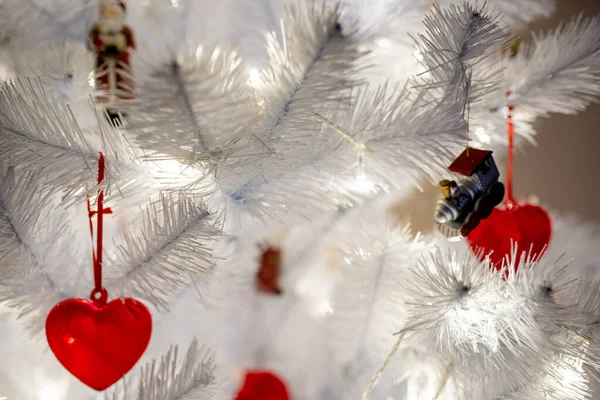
<point>362,184</point>
<point>483,136</point>
<point>535,200</point>
<point>170,166</point>
<point>418,55</point>
<point>570,377</point>
<point>363,253</point>
<point>283,37</point>
<point>324,308</point>
<point>92,80</point>
<point>175,3</point>
<point>384,43</point>
<point>418,243</point>
<point>455,266</point>
<point>4,73</point>
<point>168,171</point>
<point>254,80</point>
<point>93,198</point>
<point>49,392</point>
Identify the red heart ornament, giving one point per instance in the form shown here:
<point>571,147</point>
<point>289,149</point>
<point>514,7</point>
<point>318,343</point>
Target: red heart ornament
<point>527,225</point>
<point>262,385</point>
<point>98,345</point>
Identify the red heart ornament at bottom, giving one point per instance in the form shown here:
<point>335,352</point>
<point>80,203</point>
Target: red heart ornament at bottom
<point>98,345</point>
<point>526,225</point>
<point>262,385</point>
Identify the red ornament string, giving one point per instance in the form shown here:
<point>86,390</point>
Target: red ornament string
<point>527,225</point>
<point>99,295</point>
<point>98,341</point>
<point>510,202</point>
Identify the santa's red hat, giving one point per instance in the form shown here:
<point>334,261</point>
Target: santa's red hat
<point>118,2</point>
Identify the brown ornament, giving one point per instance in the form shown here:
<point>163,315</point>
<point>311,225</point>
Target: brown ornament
<point>269,270</point>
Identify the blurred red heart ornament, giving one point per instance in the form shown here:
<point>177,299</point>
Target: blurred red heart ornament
<point>526,225</point>
<point>98,345</point>
<point>262,385</point>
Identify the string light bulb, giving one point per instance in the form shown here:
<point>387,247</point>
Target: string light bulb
<point>254,80</point>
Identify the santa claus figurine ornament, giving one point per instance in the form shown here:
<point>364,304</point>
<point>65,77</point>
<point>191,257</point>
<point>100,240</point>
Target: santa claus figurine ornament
<point>113,42</point>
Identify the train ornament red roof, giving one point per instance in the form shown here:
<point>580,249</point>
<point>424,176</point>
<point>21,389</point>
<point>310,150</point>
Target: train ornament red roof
<point>468,164</point>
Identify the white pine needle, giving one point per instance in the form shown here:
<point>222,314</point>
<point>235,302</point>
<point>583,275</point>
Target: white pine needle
<point>558,73</point>
<point>171,249</point>
<point>194,378</point>
<point>64,70</point>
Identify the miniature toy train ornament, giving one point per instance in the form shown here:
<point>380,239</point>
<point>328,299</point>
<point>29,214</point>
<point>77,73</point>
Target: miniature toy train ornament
<point>473,198</point>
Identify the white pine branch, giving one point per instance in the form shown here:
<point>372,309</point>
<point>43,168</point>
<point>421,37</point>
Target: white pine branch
<point>278,198</point>
<point>373,263</point>
<point>416,132</point>
<point>312,67</point>
<point>32,298</point>
<point>373,135</point>
<point>42,257</point>
<point>35,129</point>
<point>39,133</point>
<point>514,12</point>
<point>312,70</point>
<point>170,251</point>
<point>458,41</point>
<point>389,20</point>
<point>25,104</point>
<point>194,378</point>
<point>458,292</point>
<point>22,205</point>
<point>64,70</point>
<point>308,40</point>
<point>505,329</point>
<point>520,12</point>
<point>586,302</point>
<point>404,142</point>
<point>558,73</point>
<point>560,379</point>
<point>202,96</point>
<point>160,24</point>
<point>165,26</point>
<point>54,21</point>
<point>368,299</point>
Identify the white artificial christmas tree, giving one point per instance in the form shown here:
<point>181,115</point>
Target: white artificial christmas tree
<point>306,141</point>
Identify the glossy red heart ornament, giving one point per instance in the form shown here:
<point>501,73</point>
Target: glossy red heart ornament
<point>98,345</point>
<point>527,225</point>
<point>262,385</point>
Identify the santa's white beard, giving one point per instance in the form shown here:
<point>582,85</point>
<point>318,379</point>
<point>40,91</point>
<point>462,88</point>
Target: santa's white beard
<point>113,24</point>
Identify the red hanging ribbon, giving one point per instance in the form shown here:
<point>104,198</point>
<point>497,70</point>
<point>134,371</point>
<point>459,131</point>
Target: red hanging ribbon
<point>510,202</point>
<point>99,294</point>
